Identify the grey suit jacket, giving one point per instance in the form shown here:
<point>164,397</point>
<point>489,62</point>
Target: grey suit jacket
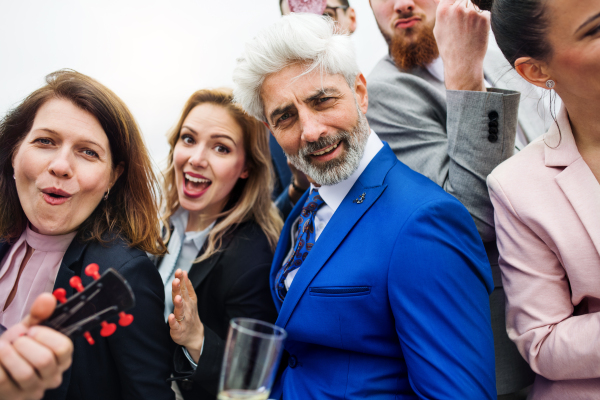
<point>445,135</point>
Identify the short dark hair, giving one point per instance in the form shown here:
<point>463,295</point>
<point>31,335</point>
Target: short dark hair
<point>130,210</point>
<point>520,28</point>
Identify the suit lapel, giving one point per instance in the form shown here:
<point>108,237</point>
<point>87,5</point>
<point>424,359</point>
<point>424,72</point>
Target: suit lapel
<point>200,271</point>
<point>577,181</point>
<point>4,247</point>
<point>583,191</point>
<point>350,211</point>
<point>73,256</point>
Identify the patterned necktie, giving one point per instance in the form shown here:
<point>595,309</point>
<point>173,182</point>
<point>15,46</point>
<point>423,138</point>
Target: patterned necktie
<point>304,242</point>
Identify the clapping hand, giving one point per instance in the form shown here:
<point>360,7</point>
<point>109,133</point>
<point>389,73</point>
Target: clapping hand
<point>33,358</point>
<point>186,328</point>
<point>461,31</point>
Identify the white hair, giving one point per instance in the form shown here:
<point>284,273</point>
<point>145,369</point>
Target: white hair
<point>296,38</point>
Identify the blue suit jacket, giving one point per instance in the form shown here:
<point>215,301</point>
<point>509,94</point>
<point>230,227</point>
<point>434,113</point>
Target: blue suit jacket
<point>392,301</point>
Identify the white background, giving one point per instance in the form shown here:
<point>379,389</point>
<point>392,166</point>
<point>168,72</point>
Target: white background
<point>153,54</point>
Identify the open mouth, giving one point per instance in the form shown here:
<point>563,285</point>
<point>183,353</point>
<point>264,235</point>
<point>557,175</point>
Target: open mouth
<point>195,185</point>
<point>326,150</point>
<point>55,196</point>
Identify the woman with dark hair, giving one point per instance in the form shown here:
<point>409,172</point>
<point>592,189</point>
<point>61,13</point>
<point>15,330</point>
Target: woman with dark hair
<point>222,229</point>
<point>547,198</point>
<point>78,188</point>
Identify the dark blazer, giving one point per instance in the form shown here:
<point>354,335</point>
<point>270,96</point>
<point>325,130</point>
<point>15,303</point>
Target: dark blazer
<point>133,363</point>
<point>231,283</point>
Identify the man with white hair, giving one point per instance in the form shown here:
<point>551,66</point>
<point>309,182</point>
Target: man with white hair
<point>379,277</point>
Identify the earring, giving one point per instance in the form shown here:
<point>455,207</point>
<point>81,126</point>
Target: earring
<point>106,194</point>
<point>14,177</point>
<point>550,84</point>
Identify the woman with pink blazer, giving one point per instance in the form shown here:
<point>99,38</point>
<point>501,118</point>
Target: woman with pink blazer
<point>547,198</point>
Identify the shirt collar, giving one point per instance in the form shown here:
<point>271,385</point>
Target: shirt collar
<point>40,242</point>
<point>333,195</point>
<point>436,69</point>
<point>179,220</point>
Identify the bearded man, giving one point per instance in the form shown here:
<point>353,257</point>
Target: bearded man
<point>379,277</point>
<point>434,100</point>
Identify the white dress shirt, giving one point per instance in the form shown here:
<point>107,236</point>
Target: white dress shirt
<point>332,196</point>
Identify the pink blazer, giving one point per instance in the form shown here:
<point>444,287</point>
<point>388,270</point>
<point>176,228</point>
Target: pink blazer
<point>547,213</point>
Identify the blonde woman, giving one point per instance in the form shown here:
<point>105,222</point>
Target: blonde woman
<point>222,232</point>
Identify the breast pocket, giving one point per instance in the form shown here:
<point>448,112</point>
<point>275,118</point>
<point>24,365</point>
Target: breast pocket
<point>340,291</point>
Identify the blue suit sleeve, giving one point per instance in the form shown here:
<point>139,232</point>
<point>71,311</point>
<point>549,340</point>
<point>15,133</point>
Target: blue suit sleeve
<point>439,283</point>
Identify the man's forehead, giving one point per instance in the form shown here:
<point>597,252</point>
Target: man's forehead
<point>292,83</point>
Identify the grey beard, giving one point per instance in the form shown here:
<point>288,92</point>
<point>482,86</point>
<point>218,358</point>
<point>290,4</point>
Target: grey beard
<point>338,169</point>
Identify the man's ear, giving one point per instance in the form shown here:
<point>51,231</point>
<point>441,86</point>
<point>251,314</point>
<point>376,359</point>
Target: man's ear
<point>352,17</point>
<point>533,71</point>
<point>362,96</point>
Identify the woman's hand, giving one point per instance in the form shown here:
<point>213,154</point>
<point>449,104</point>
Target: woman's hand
<point>33,358</point>
<point>186,328</point>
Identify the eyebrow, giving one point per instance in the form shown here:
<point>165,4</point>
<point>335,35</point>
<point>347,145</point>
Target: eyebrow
<point>213,136</point>
<point>280,110</point>
<point>56,133</point>
<point>587,22</point>
<point>318,94</point>
<point>322,92</point>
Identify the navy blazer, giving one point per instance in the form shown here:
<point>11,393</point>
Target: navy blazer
<point>133,363</point>
<point>392,300</point>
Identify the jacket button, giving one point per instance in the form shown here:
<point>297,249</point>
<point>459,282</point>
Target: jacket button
<point>493,124</point>
<point>493,115</point>
<point>186,384</point>
<point>293,362</point>
<point>493,130</point>
<point>493,137</point>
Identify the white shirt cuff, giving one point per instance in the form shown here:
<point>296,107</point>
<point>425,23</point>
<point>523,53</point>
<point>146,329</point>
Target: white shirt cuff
<point>190,359</point>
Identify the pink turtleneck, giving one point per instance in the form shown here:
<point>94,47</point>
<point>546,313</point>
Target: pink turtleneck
<point>38,275</point>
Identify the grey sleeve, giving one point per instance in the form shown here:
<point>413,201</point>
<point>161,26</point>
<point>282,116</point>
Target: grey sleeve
<point>446,139</point>
<point>475,149</point>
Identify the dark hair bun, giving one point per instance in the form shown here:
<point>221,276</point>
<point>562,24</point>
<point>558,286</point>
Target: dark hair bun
<point>484,4</point>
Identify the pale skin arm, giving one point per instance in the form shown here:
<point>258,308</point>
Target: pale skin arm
<point>189,330</point>
<point>461,32</point>
<point>33,358</point>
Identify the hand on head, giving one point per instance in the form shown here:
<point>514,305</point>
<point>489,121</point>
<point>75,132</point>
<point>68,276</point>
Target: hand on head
<point>33,358</point>
<point>461,31</point>
<point>186,328</point>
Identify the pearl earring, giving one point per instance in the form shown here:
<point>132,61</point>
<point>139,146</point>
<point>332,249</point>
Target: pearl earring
<point>106,194</point>
<point>550,84</point>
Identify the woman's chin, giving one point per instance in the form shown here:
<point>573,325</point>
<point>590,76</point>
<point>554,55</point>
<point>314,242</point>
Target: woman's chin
<point>52,228</point>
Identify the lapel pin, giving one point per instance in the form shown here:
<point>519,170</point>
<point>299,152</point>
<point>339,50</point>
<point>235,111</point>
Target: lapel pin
<point>360,199</point>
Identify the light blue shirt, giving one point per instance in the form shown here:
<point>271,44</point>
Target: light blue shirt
<point>184,248</point>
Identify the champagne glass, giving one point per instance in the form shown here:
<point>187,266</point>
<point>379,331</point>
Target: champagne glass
<point>251,358</point>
